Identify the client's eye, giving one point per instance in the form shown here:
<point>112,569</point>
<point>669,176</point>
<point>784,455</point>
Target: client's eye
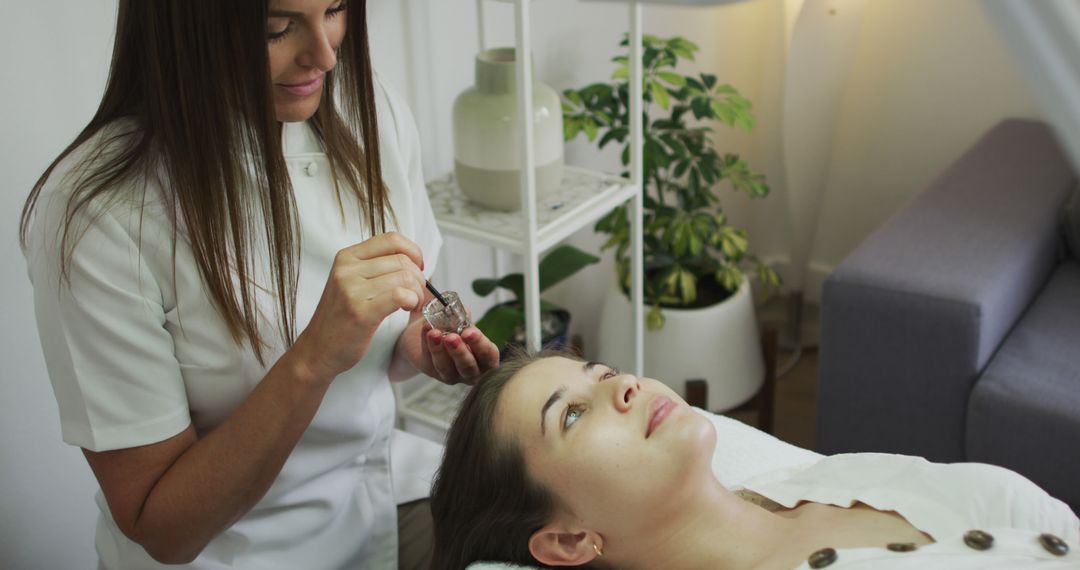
<point>611,373</point>
<point>572,414</point>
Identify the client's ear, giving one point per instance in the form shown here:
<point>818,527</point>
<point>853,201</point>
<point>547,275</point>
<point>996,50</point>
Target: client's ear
<point>556,545</point>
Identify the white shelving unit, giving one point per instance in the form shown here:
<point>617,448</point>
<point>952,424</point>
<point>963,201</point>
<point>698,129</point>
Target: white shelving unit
<point>583,198</point>
<point>540,225</point>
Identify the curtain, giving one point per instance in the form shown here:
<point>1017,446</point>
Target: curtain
<point>1044,37</point>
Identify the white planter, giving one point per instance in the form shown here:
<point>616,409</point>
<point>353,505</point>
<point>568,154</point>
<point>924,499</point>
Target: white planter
<point>719,344</point>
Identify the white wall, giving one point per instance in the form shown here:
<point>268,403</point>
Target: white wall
<point>929,77</point>
<point>57,55</point>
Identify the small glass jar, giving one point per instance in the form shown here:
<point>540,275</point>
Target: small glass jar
<point>449,318</point>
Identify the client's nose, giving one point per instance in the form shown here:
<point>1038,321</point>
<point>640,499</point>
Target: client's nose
<point>626,390</point>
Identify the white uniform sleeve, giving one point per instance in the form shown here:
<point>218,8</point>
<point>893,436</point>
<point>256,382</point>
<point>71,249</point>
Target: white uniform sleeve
<point>404,140</point>
<point>109,357</point>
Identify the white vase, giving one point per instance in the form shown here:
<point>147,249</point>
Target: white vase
<point>719,344</point>
<point>487,135</point>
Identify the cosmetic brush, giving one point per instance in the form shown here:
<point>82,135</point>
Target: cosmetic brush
<point>437,294</point>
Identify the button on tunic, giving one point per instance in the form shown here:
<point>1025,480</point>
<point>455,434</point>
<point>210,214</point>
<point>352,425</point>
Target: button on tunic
<point>980,516</point>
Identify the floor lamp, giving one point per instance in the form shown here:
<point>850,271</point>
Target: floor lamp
<point>820,55</point>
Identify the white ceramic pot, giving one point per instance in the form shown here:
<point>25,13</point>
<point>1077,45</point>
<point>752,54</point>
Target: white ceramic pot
<point>719,344</point>
<point>487,135</point>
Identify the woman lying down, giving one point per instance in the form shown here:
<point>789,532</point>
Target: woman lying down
<point>557,462</point>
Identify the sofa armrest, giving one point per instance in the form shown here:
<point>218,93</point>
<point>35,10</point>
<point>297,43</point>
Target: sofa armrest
<point>912,316</point>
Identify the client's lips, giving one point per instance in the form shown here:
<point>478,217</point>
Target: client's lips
<point>660,408</point>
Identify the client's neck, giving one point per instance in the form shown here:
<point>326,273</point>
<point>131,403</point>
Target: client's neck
<point>717,529</point>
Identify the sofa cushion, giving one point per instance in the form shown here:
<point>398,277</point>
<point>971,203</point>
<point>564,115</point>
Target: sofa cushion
<point>1071,223</point>
<point>1024,411</point>
<point>916,312</point>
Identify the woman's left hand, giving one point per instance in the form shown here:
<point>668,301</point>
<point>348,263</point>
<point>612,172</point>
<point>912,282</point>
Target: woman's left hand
<point>457,358</point>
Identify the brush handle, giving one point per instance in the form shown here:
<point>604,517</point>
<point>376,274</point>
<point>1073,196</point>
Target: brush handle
<point>437,294</point>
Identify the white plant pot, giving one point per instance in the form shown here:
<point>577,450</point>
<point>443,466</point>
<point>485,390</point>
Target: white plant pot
<point>719,344</point>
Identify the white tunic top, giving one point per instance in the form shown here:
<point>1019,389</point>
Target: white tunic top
<point>136,354</point>
<point>942,500</point>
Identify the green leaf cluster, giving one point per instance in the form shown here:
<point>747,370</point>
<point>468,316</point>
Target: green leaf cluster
<point>501,321</point>
<point>687,236</point>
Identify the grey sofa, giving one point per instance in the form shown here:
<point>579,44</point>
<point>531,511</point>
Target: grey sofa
<point>953,332</point>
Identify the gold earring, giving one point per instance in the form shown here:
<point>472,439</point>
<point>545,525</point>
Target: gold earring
<point>598,550</point>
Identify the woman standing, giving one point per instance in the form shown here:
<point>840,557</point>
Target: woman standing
<point>245,177</point>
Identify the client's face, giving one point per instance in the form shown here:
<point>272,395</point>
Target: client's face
<point>617,450</point>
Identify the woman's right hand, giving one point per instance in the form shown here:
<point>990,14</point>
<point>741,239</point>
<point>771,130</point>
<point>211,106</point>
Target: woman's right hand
<point>367,283</point>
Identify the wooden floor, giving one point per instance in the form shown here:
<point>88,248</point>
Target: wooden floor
<point>796,401</point>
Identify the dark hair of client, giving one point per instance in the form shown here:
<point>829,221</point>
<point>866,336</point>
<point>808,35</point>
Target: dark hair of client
<point>485,506</point>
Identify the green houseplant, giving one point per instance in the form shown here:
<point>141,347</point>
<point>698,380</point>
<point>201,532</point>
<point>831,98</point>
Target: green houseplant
<point>504,323</point>
<point>693,257</point>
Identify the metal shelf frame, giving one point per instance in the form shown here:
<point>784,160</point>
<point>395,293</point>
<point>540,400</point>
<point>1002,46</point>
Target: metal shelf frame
<point>536,239</point>
<point>586,196</point>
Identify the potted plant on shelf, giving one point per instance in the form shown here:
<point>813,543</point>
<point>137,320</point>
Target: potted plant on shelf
<point>504,323</point>
<point>694,259</point>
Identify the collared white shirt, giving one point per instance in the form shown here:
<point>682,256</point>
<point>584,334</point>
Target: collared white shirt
<point>136,353</point>
<point>945,501</point>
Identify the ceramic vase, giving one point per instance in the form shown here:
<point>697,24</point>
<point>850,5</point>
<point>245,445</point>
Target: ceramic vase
<point>718,343</point>
<point>487,135</point>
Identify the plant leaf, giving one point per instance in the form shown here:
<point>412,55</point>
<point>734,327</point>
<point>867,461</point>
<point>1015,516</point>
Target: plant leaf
<point>562,262</point>
<point>484,286</point>
<point>683,43</point>
<point>499,322</point>
<point>733,242</point>
<point>729,277</point>
<point>591,129</point>
<point>723,112</point>
<point>660,95</point>
<point>696,245</point>
<point>655,319</point>
<point>687,286</point>
<point>571,128</point>
<point>515,283</point>
<point>608,137</point>
<point>672,78</point>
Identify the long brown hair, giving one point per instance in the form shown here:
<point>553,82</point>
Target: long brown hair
<point>192,79</point>
<point>484,504</point>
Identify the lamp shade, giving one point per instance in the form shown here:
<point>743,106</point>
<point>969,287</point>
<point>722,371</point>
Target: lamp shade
<point>677,2</point>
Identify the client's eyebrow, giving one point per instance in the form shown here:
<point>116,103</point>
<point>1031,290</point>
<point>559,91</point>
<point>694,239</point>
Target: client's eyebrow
<point>557,395</point>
